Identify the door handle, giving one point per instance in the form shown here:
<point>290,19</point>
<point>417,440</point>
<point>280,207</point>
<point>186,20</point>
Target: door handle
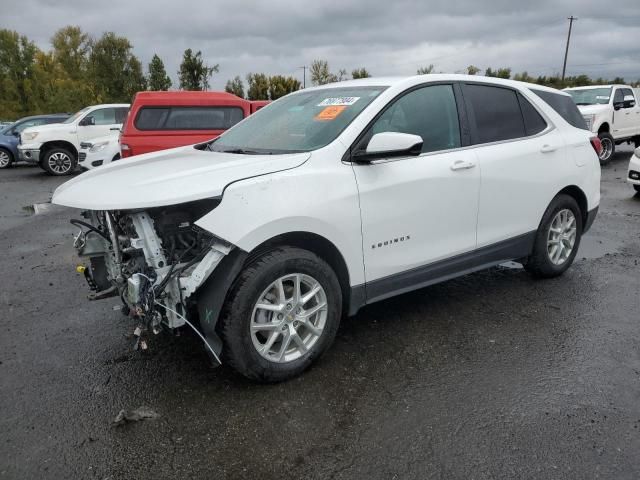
<point>462,165</point>
<point>548,148</point>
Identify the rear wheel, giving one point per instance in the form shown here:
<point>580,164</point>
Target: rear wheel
<point>282,313</point>
<point>557,239</point>
<point>608,147</point>
<point>59,161</point>
<point>6,158</point>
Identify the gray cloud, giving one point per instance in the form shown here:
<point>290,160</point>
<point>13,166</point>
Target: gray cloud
<point>388,38</point>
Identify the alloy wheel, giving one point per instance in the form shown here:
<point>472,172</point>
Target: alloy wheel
<point>607,149</point>
<point>4,159</point>
<point>60,162</point>
<point>562,236</point>
<point>289,317</point>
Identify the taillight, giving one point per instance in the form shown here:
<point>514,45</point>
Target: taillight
<point>596,144</point>
<point>125,151</point>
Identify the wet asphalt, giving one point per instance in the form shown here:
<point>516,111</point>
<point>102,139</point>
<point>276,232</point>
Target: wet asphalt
<point>493,375</point>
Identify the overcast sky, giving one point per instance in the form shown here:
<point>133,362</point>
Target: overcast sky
<point>390,37</point>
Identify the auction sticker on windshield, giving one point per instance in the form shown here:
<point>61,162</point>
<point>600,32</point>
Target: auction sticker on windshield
<point>330,113</point>
<point>338,101</point>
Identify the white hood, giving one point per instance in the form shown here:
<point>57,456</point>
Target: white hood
<point>166,178</point>
<point>593,109</point>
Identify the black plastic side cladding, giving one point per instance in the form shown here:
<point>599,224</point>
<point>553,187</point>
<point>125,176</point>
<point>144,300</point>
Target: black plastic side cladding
<point>211,295</point>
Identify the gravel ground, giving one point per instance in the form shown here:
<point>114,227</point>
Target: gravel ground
<point>493,375</point>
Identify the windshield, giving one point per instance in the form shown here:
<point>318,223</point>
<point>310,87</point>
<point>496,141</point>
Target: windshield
<point>75,116</point>
<point>300,122</point>
<point>590,96</point>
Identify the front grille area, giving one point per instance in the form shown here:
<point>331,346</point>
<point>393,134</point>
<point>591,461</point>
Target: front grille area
<point>633,175</point>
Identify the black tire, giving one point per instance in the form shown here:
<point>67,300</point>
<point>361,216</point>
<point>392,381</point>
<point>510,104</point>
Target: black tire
<point>637,188</point>
<point>6,158</point>
<point>608,152</point>
<point>636,142</point>
<point>539,263</point>
<point>234,327</point>
<point>51,158</point>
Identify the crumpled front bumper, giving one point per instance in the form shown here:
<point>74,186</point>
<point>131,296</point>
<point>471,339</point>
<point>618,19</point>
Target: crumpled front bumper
<point>29,153</point>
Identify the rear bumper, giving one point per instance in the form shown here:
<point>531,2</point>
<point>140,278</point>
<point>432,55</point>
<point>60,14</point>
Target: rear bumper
<point>591,216</point>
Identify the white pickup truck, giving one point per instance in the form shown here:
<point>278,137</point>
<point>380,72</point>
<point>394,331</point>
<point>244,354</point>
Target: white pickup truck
<point>611,111</point>
<point>56,147</point>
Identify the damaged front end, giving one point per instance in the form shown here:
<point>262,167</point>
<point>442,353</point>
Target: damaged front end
<point>153,259</point>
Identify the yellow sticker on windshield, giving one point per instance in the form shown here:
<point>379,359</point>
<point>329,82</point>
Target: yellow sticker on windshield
<point>330,113</point>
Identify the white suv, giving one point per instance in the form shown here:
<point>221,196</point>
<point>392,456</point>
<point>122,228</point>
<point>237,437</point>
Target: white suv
<point>332,198</point>
<point>56,147</point>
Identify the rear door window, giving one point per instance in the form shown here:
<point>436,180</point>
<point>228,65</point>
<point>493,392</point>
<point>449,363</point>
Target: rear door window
<point>188,118</point>
<point>495,111</point>
<point>533,121</point>
<point>564,106</point>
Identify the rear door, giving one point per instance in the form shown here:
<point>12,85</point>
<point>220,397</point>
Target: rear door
<point>517,152</point>
<point>417,210</point>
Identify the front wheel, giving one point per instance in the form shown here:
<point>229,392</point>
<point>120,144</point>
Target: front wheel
<point>282,313</point>
<point>608,147</point>
<point>6,158</point>
<point>59,161</point>
<point>557,239</point>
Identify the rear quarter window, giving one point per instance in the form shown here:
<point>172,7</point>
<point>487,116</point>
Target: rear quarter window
<point>188,118</point>
<point>564,106</point>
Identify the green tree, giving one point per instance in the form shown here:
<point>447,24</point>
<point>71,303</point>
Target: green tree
<point>71,48</point>
<point>360,73</point>
<point>257,86</point>
<point>158,78</point>
<point>524,77</point>
<point>320,74</point>
<point>115,72</point>
<point>425,70</point>
<point>194,74</point>
<point>472,70</point>
<point>279,86</point>
<point>235,86</point>
<point>17,55</point>
<point>500,73</point>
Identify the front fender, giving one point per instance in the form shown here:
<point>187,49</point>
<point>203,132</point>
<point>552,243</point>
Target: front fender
<point>318,198</point>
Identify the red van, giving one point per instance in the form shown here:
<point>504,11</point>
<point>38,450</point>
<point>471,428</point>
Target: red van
<point>161,120</point>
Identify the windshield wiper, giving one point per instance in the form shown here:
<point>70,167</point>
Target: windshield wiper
<point>243,151</point>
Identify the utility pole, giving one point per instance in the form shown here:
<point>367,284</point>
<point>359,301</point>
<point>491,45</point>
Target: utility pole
<point>304,76</point>
<point>566,51</point>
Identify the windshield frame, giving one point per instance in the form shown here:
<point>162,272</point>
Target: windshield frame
<point>76,115</point>
<point>578,91</point>
<point>330,92</point>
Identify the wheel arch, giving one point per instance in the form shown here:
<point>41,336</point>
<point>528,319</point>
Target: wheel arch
<point>316,244</point>
<point>58,144</point>
<point>579,196</point>
<point>604,128</point>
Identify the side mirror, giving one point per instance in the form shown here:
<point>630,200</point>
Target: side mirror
<point>87,121</point>
<point>618,105</point>
<point>15,133</point>
<point>629,101</point>
<point>390,144</point>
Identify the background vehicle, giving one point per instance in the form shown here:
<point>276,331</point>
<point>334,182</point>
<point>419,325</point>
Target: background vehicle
<point>10,135</point>
<point>99,151</point>
<point>333,198</point>
<point>55,147</point>
<point>611,111</point>
<point>161,120</point>
<point>633,174</point>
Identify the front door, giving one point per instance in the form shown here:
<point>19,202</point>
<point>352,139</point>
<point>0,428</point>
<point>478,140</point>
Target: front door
<point>417,210</point>
<point>100,122</point>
